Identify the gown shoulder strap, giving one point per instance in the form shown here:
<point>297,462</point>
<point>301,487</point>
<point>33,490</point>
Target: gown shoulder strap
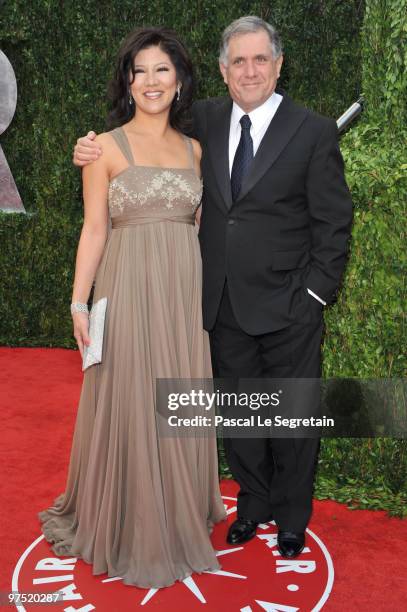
<point>123,143</point>
<point>190,152</point>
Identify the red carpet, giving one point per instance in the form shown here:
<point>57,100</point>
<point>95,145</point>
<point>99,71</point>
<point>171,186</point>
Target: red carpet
<point>39,391</point>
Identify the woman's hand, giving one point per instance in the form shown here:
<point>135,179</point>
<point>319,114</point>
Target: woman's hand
<point>81,330</point>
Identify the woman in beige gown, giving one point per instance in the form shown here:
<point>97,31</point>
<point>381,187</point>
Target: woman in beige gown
<point>137,505</point>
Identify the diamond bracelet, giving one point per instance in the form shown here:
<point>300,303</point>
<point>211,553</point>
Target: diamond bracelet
<point>79,307</point>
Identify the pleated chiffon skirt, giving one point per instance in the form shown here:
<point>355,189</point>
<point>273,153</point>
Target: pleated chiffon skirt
<point>136,504</point>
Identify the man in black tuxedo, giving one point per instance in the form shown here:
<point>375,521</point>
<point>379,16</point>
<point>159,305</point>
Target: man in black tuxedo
<point>274,229</point>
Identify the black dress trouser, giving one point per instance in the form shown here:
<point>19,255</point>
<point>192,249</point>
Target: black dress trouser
<point>275,475</point>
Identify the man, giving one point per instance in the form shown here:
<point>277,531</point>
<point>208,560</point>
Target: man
<point>274,229</point>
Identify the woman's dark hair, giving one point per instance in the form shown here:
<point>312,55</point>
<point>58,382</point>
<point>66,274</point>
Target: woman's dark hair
<point>118,92</point>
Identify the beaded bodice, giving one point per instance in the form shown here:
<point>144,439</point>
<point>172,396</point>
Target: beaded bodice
<point>149,191</point>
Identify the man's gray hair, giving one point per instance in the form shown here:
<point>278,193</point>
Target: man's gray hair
<point>246,25</point>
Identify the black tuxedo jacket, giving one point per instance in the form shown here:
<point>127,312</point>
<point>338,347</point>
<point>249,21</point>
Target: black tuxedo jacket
<point>289,228</point>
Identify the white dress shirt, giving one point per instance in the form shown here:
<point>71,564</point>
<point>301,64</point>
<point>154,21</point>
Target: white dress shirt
<point>260,118</point>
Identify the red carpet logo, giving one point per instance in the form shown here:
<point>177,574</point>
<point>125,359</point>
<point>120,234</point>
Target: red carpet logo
<point>252,578</point>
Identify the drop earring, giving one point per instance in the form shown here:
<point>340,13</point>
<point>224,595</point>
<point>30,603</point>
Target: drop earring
<point>178,92</point>
<point>130,99</point>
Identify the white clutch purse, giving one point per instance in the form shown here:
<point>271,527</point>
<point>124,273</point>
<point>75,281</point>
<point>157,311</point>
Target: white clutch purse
<point>93,353</point>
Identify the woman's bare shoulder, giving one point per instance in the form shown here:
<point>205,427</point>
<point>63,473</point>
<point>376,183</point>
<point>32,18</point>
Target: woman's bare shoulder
<point>109,147</point>
<point>105,138</point>
<point>197,148</point>
<point>104,163</point>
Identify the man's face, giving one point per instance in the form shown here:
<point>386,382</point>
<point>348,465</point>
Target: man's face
<point>251,73</point>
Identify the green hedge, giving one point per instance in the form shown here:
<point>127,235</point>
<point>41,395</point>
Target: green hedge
<point>63,56</point>
<point>367,335</point>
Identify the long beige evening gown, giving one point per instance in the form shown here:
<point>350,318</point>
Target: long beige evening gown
<point>138,505</point>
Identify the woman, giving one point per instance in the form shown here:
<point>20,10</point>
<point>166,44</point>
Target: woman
<point>138,505</point>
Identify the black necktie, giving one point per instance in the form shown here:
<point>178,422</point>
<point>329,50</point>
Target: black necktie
<point>243,157</point>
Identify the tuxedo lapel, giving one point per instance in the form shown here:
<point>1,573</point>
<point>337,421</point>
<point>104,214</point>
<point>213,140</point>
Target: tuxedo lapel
<point>282,128</point>
<point>218,145</point>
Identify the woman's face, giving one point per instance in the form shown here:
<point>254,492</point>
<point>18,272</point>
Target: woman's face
<point>155,81</point>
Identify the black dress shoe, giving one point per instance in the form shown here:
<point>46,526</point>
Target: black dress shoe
<point>290,544</point>
<point>242,530</point>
